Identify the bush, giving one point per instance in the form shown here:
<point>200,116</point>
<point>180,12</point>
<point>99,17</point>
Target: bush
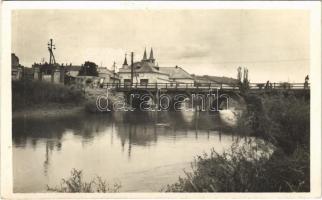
<point>75,183</point>
<point>26,93</point>
<point>281,120</point>
<point>238,170</point>
<point>246,168</point>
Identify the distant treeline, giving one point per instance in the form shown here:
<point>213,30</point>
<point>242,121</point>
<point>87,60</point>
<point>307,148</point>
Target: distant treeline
<point>281,120</point>
<point>28,94</point>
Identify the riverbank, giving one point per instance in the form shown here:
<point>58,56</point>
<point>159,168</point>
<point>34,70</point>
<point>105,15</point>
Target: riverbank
<point>37,99</point>
<point>280,120</point>
<point>28,95</point>
<point>49,110</point>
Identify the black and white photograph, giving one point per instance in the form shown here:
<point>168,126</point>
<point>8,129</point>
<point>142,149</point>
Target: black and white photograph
<point>148,98</point>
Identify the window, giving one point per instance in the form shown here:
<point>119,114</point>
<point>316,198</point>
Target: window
<point>144,81</point>
<point>127,81</point>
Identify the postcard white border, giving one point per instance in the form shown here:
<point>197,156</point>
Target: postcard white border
<point>5,91</point>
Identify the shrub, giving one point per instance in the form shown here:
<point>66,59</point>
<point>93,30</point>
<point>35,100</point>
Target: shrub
<point>75,183</point>
<point>281,120</point>
<point>244,169</point>
<point>26,93</point>
<point>237,170</point>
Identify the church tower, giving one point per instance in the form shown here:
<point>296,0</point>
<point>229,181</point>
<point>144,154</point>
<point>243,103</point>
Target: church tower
<point>151,58</point>
<point>125,62</point>
<point>144,55</point>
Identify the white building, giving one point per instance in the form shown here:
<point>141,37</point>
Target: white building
<point>107,76</point>
<point>147,72</point>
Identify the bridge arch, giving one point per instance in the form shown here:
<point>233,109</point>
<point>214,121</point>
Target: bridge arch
<point>227,100</point>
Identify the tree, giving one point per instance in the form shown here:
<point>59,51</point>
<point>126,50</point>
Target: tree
<point>239,74</point>
<point>243,84</point>
<point>246,81</point>
<point>88,69</point>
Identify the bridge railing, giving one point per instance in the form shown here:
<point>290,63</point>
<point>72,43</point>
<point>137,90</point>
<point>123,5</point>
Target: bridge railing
<point>252,86</point>
<point>283,86</point>
<point>171,86</point>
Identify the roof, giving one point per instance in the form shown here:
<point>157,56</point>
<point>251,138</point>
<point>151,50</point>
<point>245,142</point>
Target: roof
<point>176,72</point>
<point>142,67</point>
<point>149,67</point>
<point>104,69</point>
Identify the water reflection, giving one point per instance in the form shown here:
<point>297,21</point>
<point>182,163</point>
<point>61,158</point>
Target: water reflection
<point>136,134</point>
<point>139,128</point>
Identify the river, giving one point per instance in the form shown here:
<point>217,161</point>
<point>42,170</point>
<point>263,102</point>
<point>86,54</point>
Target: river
<point>144,151</point>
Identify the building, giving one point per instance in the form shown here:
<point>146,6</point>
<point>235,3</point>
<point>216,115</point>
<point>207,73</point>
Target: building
<point>177,74</point>
<point>53,73</point>
<point>71,72</point>
<point>147,71</point>
<point>107,76</point>
<point>16,68</point>
<point>28,73</point>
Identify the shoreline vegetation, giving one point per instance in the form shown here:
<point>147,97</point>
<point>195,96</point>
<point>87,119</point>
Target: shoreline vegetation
<point>279,120</point>
<point>49,110</point>
<point>40,99</point>
<point>75,183</point>
<point>283,121</point>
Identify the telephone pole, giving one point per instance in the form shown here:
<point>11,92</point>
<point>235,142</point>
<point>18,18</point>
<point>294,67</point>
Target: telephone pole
<point>114,71</point>
<point>132,55</point>
<point>114,66</point>
<point>51,47</point>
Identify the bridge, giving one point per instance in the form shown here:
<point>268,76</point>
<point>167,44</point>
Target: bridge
<point>201,87</point>
<point>180,91</point>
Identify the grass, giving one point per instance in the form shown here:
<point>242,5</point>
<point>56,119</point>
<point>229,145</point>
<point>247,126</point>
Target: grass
<point>280,120</point>
<point>28,94</point>
<point>75,183</point>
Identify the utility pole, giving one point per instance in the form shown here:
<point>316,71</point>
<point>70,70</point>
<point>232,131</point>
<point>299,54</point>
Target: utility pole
<point>132,55</point>
<point>114,66</point>
<point>51,47</point>
<point>114,71</point>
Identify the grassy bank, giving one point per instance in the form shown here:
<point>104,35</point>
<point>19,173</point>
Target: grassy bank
<point>37,95</point>
<point>281,120</point>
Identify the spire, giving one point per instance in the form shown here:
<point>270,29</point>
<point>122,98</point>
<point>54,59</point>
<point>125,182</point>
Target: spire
<point>144,55</point>
<point>151,54</point>
<point>125,61</point>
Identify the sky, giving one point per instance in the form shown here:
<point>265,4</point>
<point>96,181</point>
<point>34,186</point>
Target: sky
<point>273,44</point>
